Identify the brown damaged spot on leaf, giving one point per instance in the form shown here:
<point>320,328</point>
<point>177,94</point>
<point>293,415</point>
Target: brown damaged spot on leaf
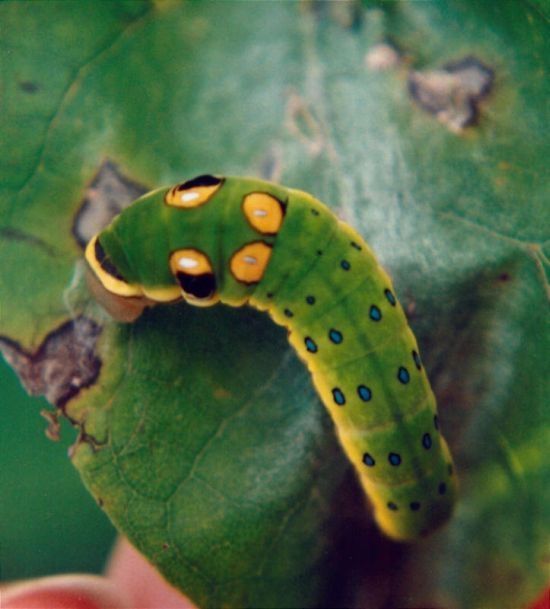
<point>63,365</point>
<point>107,195</point>
<point>452,94</point>
<point>53,430</point>
<point>83,438</point>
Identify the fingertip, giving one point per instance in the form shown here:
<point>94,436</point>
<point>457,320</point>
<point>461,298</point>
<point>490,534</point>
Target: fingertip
<point>132,572</point>
<point>64,592</point>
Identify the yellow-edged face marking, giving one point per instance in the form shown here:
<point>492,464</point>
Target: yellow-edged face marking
<point>264,212</point>
<point>248,264</point>
<point>194,273</point>
<point>107,273</point>
<point>193,193</point>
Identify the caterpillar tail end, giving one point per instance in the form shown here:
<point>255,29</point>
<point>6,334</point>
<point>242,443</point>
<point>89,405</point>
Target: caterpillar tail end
<point>409,512</point>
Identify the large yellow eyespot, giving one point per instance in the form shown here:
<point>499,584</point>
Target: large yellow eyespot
<point>195,275</point>
<point>106,271</point>
<point>193,193</point>
<point>264,212</point>
<point>248,264</point>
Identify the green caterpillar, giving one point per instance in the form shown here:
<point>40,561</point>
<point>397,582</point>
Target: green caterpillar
<point>238,241</point>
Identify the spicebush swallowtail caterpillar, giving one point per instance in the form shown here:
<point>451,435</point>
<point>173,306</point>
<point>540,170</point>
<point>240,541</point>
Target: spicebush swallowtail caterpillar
<point>238,241</point>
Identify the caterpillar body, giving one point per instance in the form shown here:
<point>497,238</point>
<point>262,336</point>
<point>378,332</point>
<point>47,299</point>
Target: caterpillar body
<point>240,240</point>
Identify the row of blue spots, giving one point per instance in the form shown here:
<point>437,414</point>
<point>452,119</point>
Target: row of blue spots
<point>364,392</point>
<point>403,374</point>
<point>336,337</point>
<point>415,505</point>
<point>394,458</point>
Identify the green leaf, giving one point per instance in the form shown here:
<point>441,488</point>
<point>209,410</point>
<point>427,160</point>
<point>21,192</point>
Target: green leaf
<point>423,125</point>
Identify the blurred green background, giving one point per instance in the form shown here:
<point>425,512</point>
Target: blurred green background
<point>49,522</point>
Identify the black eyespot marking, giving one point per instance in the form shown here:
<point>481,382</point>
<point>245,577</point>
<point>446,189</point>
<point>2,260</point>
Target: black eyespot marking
<point>392,506</point>
<point>427,441</point>
<point>345,265</point>
<point>394,459</point>
<point>356,246</point>
<point>319,252</point>
<point>368,460</point>
<point>450,469</point>
<point>288,313</point>
<point>105,262</point>
<point>314,212</point>
<point>442,488</point>
<point>310,300</point>
<point>202,180</point>
<point>414,505</point>
<point>269,295</point>
<point>436,422</point>
<point>201,287</point>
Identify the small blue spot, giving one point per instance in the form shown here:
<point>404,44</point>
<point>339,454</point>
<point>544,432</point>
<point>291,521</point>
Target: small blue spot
<point>310,300</point>
<point>436,421</point>
<point>415,506</point>
<point>338,396</point>
<point>416,359</point>
<point>392,506</point>
<point>364,393</point>
<point>335,336</point>
<point>427,441</point>
<point>368,460</point>
<point>394,459</point>
<point>311,346</point>
<point>403,375</point>
<point>375,314</point>
<point>390,297</point>
<point>442,488</point>
<point>345,265</point>
<point>288,313</point>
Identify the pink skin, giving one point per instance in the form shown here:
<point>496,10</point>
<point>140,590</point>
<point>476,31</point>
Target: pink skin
<point>129,582</point>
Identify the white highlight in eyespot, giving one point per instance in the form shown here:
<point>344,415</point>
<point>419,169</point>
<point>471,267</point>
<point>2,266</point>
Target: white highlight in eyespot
<point>186,197</point>
<point>187,263</point>
<point>250,260</point>
<point>259,213</point>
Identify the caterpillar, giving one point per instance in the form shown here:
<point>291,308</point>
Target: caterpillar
<point>240,240</point>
